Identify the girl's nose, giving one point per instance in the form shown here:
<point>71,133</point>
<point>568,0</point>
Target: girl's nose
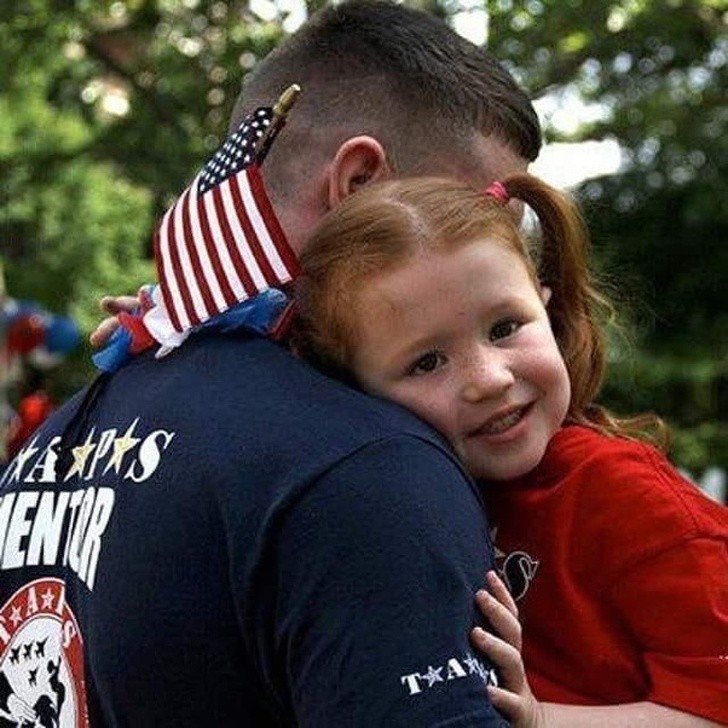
<point>488,374</point>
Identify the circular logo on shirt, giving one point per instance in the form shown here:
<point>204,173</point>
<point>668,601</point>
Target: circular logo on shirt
<point>41,663</point>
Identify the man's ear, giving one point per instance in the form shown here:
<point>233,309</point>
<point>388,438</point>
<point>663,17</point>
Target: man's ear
<point>358,161</point>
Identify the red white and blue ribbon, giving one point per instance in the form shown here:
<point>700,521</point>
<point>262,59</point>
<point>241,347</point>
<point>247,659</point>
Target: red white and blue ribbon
<point>219,246</point>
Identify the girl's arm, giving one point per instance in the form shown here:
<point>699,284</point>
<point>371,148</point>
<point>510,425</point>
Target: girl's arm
<point>518,703</point>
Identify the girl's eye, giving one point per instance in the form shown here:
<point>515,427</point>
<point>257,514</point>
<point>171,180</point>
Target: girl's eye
<point>427,363</point>
<point>503,329</point>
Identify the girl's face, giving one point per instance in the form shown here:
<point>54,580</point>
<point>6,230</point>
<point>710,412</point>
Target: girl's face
<point>462,339</point>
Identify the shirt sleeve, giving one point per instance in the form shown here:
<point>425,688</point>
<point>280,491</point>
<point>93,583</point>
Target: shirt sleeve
<point>376,571</point>
<point>675,603</point>
<point>669,582</point>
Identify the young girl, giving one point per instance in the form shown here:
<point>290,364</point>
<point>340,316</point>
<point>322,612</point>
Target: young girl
<point>424,292</point>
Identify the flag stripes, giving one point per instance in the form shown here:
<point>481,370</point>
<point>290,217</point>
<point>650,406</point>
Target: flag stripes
<point>166,274</point>
<point>194,305</point>
<point>212,273</point>
<point>272,226</point>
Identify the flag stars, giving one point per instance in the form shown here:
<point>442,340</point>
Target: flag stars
<point>237,152</point>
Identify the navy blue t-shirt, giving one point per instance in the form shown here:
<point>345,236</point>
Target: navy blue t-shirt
<point>239,541</point>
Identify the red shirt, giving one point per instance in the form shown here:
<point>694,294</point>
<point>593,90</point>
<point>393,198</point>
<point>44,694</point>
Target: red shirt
<point>620,566</point>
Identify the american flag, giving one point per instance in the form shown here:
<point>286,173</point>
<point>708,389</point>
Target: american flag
<point>221,242</point>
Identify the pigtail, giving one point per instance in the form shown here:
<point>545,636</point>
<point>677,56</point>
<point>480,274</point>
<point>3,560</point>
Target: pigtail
<point>578,311</point>
<point>575,305</point>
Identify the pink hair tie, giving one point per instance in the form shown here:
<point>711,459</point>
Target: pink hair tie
<point>498,190</point>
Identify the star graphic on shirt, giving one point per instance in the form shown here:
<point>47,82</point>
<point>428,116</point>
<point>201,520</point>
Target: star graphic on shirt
<point>474,666</point>
<point>432,676</point>
<point>122,445</point>
<point>80,455</point>
<point>15,616</point>
<point>22,458</point>
<point>47,596</point>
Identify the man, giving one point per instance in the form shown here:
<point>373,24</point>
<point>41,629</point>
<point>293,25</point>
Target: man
<point>235,539</point>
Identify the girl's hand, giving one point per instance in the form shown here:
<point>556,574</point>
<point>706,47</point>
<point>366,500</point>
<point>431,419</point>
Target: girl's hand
<point>112,305</point>
<point>514,698</point>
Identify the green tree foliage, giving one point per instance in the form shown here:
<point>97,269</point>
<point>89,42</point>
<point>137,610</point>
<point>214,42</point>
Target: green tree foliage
<point>107,108</point>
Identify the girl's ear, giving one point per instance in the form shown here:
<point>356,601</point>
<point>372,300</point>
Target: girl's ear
<point>545,295</point>
<point>357,162</point>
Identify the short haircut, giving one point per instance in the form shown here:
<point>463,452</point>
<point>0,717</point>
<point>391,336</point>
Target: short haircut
<point>397,74</point>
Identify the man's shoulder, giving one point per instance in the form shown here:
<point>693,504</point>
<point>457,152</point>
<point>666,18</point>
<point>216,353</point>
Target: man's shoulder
<point>616,480</point>
<point>271,385</point>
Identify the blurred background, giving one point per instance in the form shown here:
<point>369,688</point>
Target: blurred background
<point>108,108</point>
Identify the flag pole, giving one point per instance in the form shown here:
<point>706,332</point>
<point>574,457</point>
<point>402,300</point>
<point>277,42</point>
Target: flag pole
<point>280,111</point>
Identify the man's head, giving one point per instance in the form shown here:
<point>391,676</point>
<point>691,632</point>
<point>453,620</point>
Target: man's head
<point>387,91</point>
